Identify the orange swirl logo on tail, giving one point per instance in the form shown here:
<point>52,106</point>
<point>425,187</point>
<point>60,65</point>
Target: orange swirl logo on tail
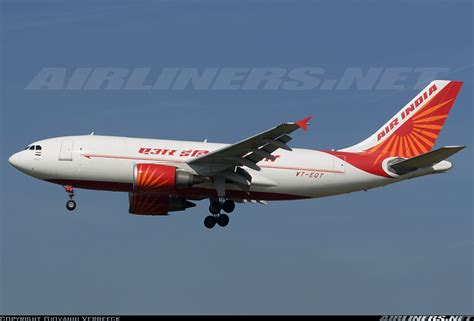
<point>421,126</point>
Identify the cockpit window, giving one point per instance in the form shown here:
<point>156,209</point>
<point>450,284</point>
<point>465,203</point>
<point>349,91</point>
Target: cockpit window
<point>33,147</point>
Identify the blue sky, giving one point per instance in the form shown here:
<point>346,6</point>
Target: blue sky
<point>403,249</point>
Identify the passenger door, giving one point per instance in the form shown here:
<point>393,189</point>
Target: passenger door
<point>65,153</point>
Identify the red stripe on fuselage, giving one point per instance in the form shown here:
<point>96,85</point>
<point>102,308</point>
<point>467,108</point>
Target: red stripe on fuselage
<point>182,161</point>
<point>134,158</point>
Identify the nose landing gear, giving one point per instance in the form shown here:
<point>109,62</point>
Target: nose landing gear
<point>217,218</point>
<point>71,203</point>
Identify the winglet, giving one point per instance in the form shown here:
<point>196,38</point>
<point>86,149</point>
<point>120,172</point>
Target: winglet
<point>303,123</point>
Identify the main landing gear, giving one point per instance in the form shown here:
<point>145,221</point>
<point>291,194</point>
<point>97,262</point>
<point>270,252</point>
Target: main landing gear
<point>71,203</point>
<point>215,208</point>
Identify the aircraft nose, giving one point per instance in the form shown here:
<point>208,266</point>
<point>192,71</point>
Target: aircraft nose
<point>14,160</point>
<point>19,161</point>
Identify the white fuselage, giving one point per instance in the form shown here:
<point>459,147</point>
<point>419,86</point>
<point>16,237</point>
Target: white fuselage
<point>106,163</point>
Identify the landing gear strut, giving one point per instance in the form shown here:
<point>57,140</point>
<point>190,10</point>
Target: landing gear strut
<point>215,208</point>
<point>71,203</point>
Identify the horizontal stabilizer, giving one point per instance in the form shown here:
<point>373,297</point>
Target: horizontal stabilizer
<point>425,160</point>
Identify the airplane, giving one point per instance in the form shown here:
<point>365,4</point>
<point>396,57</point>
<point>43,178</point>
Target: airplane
<point>163,176</point>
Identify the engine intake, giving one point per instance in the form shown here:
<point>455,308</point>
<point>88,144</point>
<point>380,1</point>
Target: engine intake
<point>152,178</point>
<point>151,204</point>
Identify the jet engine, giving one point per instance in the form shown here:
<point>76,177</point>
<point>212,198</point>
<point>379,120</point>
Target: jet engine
<point>152,178</point>
<point>151,204</point>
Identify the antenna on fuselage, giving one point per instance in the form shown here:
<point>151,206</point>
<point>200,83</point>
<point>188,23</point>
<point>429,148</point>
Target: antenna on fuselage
<point>92,134</point>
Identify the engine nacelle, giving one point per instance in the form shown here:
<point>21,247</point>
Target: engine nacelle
<point>151,204</point>
<point>152,178</point>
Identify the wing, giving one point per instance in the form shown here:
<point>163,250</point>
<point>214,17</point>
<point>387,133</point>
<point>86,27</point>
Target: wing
<point>247,152</point>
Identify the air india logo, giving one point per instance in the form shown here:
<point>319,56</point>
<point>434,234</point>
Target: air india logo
<point>418,124</point>
<point>406,112</point>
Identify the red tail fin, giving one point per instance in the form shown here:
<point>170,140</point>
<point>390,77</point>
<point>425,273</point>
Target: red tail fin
<point>414,129</point>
